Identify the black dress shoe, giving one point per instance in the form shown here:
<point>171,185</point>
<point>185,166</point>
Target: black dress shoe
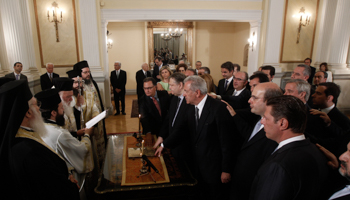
<point>117,113</point>
<point>123,113</point>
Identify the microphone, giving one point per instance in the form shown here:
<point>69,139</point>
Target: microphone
<point>144,157</point>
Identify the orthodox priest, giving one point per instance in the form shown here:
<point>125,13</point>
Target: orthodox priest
<point>71,105</point>
<point>92,107</point>
<point>35,170</point>
<point>77,154</point>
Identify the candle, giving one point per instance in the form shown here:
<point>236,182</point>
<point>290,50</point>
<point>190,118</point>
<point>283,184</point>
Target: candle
<point>140,124</point>
<point>142,146</point>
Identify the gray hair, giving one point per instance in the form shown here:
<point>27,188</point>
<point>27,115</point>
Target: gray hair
<point>47,64</point>
<point>143,64</point>
<point>302,86</point>
<point>197,83</point>
<point>119,63</point>
<point>307,69</point>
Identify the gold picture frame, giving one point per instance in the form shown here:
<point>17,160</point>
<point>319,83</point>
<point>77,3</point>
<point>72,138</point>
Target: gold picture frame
<point>64,53</point>
<point>291,51</point>
<point>156,24</point>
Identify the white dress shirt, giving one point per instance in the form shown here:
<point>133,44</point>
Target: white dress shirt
<point>201,105</point>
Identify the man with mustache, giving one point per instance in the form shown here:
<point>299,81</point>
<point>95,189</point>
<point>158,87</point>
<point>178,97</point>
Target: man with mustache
<point>72,102</point>
<point>344,170</point>
<point>36,171</point>
<point>77,154</point>
<point>92,107</point>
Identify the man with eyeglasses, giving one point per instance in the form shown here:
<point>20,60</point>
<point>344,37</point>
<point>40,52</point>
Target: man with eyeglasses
<point>154,107</point>
<point>256,147</point>
<point>241,94</point>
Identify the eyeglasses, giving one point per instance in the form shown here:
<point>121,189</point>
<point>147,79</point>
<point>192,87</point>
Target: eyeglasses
<point>148,88</point>
<point>87,72</point>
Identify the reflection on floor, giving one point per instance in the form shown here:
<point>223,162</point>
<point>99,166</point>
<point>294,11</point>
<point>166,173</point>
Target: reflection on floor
<point>123,123</point>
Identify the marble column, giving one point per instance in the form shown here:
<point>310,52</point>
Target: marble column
<point>335,35</point>
<point>106,72</point>
<point>274,33</point>
<point>90,39</point>
<point>17,34</point>
<point>253,53</point>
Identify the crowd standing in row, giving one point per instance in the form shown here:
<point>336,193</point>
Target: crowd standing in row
<point>241,139</point>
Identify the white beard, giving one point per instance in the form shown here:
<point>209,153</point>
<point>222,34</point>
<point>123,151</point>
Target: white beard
<point>37,123</point>
<point>68,107</point>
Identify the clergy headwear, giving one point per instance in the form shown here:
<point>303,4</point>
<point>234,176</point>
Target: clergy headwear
<point>80,65</point>
<point>14,97</point>
<point>63,84</point>
<point>74,73</point>
<point>49,99</point>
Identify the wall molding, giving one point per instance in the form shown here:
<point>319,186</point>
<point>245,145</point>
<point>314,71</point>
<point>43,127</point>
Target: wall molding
<point>121,15</point>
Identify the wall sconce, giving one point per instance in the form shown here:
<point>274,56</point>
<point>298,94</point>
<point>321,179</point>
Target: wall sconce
<point>109,43</point>
<point>306,17</point>
<point>53,17</point>
<point>252,41</point>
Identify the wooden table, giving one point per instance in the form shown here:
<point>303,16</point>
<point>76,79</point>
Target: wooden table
<point>109,183</point>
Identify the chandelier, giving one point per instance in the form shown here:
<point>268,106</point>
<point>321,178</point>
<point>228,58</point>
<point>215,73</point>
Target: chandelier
<point>165,36</point>
<point>177,33</point>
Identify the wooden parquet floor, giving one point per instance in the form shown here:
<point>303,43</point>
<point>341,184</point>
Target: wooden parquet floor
<point>123,123</point>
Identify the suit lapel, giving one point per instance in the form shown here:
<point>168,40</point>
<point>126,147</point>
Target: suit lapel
<point>257,137</point>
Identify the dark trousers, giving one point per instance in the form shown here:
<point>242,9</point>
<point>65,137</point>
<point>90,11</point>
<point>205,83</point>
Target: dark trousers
<point>119,96</point>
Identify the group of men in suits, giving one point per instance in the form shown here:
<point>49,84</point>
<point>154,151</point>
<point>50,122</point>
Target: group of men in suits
<point>260,150</point>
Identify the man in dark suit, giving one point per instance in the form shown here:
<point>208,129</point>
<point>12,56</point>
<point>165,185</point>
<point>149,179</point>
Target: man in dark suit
<point>296,169</point>
<point>269,71</point>
<point>212,143</point>
<point>320,77</point>
<point>225,86</point>
<point>158,65</point>
<point>308,62</point>
<point>46,79</point>
<point>256,147</point>
<point>175,127</point>
<point>256,78</point>
<point>17,68</point>
<point>241,94</point>
<point>154,107</point>
<point>140,75</point>
<point>303,72</point>
<point>118,81</point>
<point>325,98</point>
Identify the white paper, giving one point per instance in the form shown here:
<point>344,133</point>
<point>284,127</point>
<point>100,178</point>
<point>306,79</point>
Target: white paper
<point>95,120</point>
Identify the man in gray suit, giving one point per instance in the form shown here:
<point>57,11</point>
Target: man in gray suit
<point>17,72</point>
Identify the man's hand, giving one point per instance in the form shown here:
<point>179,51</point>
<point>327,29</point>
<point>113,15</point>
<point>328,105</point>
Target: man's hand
<point>230,109</point>
<point>81,132</point>
<point>159,151</point>
<point>159,140</point>
<point>89,131</point>
<point>117,90</point>
<point>322,115</point>
<point>225,177</point>
<point>332,160</point>
<point>73,180</point>
<point>158,76</point>
<point>80,100</point>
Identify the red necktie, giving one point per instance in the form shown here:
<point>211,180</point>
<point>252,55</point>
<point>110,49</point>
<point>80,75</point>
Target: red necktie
<point>157,105</point>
